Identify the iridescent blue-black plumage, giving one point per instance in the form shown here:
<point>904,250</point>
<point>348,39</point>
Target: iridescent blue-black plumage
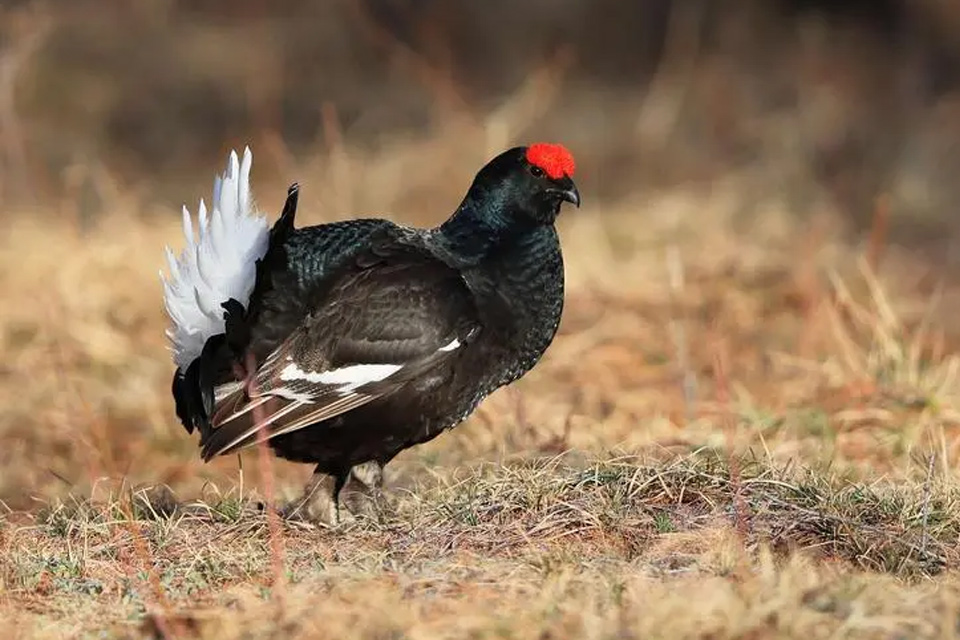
<point>363,337</point>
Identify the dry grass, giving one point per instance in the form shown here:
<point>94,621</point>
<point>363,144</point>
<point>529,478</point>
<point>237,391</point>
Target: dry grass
<point>745,428</point>
<point>541,548</point>
<point>735,434</point>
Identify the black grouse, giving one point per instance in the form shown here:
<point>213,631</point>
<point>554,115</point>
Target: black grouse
<point>348,342</point>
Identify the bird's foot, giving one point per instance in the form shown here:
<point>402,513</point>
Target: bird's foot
<point>318,503</point>
<point>361,492</point>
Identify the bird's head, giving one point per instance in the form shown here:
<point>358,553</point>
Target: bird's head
<point>527,184</point>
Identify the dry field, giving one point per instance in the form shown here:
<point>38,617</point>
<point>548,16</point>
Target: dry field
<point>745,429</point>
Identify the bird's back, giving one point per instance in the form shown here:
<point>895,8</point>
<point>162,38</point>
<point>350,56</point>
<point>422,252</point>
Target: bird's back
<point>313,252</point>
<point>299,264</point>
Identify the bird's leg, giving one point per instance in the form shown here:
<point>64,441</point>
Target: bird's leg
<point>361,491</point>
<point>318,502</point>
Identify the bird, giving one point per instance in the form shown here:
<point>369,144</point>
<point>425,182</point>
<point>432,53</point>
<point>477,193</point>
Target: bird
<point>342,344</point>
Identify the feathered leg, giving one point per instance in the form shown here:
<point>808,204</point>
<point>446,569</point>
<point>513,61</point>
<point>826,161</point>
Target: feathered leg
<point>362,489</point>
<point>318,502</point>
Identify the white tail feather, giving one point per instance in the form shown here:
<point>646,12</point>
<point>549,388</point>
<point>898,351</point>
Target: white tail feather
<point>218,263</point>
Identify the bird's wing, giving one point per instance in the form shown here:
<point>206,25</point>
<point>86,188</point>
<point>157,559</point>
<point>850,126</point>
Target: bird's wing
<point>388,318</point>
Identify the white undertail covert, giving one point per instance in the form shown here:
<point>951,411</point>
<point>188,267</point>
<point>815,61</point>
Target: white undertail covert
<point>217,264</point>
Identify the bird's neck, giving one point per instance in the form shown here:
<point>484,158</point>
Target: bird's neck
<point>478,230</point>
<point>504,262</point>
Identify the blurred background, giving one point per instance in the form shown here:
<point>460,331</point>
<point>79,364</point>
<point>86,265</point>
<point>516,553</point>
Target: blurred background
<point>757,137</point>
<point>830,104</point>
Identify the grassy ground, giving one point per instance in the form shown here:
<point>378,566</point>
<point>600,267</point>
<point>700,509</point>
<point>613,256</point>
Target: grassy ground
<point>744,429</point>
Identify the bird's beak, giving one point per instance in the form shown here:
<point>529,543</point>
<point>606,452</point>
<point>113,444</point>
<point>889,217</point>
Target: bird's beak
<point>572,196</point>
<point>567,191</point>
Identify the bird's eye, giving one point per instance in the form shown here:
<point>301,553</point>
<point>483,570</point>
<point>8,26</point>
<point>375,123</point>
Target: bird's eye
<point>536,171</point>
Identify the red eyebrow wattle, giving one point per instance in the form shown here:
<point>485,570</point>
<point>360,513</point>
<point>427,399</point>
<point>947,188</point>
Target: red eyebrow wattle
<point>555,160</point>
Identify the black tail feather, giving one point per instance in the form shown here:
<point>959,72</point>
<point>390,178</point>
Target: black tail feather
<point>193,389</point>
<point>284,224</point>
<point>185,387</point>
<point>178,389</point>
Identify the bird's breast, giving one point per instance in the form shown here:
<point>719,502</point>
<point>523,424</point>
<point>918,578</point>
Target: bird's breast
<point>521,314</point>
